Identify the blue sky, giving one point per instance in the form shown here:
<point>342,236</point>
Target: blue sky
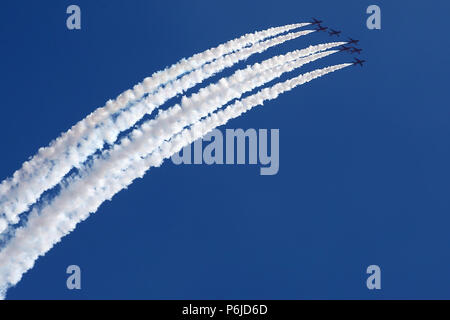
<point>364,175</point>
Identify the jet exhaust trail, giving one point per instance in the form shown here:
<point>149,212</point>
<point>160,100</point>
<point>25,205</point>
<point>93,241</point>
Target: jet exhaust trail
<point>152,133</point>
<point>46,228</point>
<point>51,164</point>
<point>102,176</point>
<point>176,116</point>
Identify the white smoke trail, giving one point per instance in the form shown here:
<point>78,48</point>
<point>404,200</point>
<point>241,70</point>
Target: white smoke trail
<point>46,228</point>
<point>173,120</point>
<point>51,164</point>
<point>144,140</point>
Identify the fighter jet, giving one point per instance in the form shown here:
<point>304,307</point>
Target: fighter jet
<point>356,50</point>
<point>350,41</point>
<point>334,32</point>
<point>357,61</point>
<point>320,28</point>
<point>315,21</point>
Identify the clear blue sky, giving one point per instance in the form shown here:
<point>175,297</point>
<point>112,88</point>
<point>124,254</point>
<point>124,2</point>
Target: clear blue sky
<point>364,155</point>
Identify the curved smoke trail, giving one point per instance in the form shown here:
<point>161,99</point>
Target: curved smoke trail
<point>72,148</point>
<point>28,244</point>
<point>106,174</point>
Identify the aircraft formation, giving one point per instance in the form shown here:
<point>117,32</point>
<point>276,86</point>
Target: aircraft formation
<point>351,43</point>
